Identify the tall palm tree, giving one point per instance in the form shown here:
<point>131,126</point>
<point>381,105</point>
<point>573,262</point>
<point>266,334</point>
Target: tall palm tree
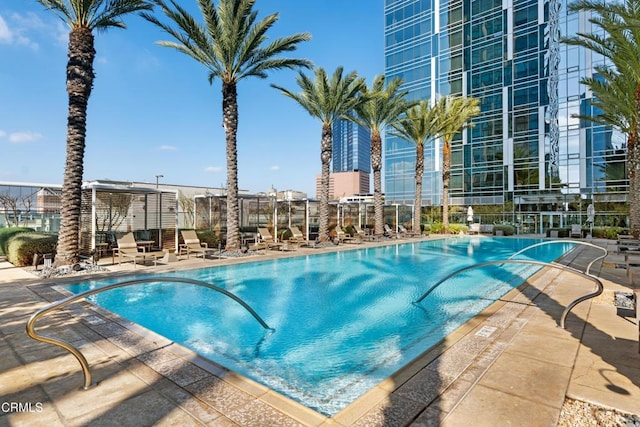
<point>233,46</point>
<point>418,125</point>
<point>327,100</point>
<point>381,107</point>
<point>82,17</point>
<point>616,87</point>
<point>452,114</point>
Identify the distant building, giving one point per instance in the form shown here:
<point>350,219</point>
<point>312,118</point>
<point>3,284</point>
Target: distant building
<point>351,147</point>
<point>342,184</point>
<point>351,160</point>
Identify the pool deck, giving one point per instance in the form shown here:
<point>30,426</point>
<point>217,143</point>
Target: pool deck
<point>511,365</point>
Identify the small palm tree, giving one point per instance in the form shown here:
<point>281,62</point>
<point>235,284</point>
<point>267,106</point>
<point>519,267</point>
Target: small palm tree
<point>82,17</point>
<point>616,87</point>
<point>233,46</point>
<point>452,116</point>
<point>419,125</point>
<point>381,107</point>
<point>327,100</point>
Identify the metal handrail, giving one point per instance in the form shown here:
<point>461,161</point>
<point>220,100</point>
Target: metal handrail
<point>73,298</point>
<point>565,313</point>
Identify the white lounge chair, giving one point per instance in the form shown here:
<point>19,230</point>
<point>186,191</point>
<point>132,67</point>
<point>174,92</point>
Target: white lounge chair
<point>193,245</point>
<point>576,231</point>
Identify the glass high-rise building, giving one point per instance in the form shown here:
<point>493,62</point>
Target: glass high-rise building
<point>526,151</point>
<point>351,147</point>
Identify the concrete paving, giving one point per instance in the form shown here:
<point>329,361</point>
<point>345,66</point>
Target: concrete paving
<point>510,365</point>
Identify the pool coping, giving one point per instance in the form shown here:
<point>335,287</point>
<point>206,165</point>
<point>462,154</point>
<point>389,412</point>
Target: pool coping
<point>287,406</point>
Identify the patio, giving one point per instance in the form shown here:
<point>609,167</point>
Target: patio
<point>509,365</point>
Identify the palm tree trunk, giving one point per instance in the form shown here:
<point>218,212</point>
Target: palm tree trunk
<point>446,176</point>
<point>79,84</point>
<point>230,124</point>
<point>376,165</point>
<point>325,157</point>
<point>417,202</point>
<point>633,163</point>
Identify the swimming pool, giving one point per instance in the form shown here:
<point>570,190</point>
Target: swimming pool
<point>343,321</point>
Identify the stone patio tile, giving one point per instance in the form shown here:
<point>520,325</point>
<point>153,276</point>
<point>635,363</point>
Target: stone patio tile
<point>73,402</point>
<point>145,409</point>
<point>528,378</point>
<point>109,329</point>
<point>219,394</point>
<point>160,355</point>
<point>133,343</point>
<point>258,413</point>
<point>549,349</point>
<point>392,411</point>
<point>180,371</point>
<point>424,387</point>
<point>487,407</point>
<point>452,395</point>
<point>430,417</point>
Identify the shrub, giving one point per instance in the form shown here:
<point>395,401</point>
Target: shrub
<point>435,228</point>
<point>562,232</point>
<point>209,237</point>
<point>8,233</point>
<point>507,229</point>
<point>23,246</point>
<point>457,228</point>
<point>610,233</point>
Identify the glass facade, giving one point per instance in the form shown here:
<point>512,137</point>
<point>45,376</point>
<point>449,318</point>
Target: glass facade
<point>526,151</point>
<point>351,147</point>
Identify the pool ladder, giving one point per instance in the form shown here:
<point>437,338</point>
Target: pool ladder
<point>586,274</point>
<point>73,298</point>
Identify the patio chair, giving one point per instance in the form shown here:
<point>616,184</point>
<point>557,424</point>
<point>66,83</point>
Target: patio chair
<point>405,232</point>
<point>193,245</point>
<point>361,233</point>
<point>342,237</point>
<point>267,239</point>
<point>128,250</point>
<point>576,231</point>
<point>297,238</point>
<point>389,232</point>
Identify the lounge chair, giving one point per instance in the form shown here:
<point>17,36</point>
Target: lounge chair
<point>474,228</point>
<point>405,232</point>
<point>342,237</point>
<point>128,250</point>
<point>267,239</point>
<point>389,232</point>
<point>297,238</point>
<point>576,231</point>
<point>361,233</point>
<point>193,245</point>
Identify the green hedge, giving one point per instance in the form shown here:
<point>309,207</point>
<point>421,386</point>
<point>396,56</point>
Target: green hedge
<point>8,233</point>
<point>610,233</point>
<point>507,229</point>
<point>23,246</point>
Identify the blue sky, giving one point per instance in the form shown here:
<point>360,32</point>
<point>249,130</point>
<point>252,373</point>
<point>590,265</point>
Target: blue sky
<point>152,110</point>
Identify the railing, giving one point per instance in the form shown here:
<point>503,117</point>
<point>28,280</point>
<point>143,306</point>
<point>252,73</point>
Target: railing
<point>73,298</point>
<point>510,260</point>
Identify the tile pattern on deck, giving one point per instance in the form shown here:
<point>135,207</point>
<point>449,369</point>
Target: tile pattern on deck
<point>509,365</point>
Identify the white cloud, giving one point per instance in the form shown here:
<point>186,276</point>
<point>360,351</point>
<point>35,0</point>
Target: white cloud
<point>275,168</point>
<point>213,169</point>
<point>24,137</point>
<point>167,148</point>
<point>6,36</point>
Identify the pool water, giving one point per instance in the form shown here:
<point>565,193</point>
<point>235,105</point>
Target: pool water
<point>343,321</point>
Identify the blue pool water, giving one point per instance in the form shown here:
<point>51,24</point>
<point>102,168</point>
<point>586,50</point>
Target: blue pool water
<point>343,321</point>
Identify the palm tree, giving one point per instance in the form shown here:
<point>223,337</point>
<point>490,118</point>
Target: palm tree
<point>327,100</point>
<point>82,17</point>
<point>453,115</point>
<point>418,126</point>
<point>232,45</point>
<point>382,108</point>
<point>616,87</point>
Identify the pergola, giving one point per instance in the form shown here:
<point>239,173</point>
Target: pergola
<point>111,209</point>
